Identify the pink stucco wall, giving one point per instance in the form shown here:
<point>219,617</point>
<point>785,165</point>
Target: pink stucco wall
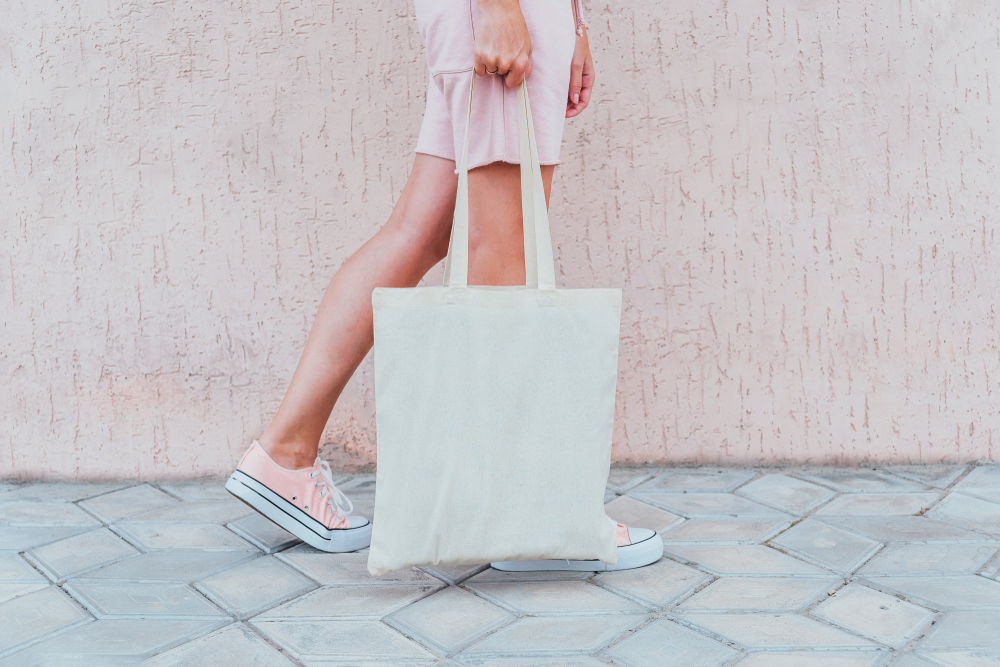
<point>799,197</point>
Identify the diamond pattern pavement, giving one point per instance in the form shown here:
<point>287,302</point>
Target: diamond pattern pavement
<point>784,567</point>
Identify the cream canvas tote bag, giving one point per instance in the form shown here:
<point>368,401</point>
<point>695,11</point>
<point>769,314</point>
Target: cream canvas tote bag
<point>494,405</point>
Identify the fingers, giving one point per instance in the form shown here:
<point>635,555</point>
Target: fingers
<point>575,81</point>
<point>577,102</point>
<point>517,70</point>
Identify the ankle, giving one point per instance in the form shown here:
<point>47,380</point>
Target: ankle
<point>289,454</point>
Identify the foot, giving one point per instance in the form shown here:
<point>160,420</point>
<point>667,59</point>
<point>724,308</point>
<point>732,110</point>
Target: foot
<point>636,547</point>
<point>304,502</point>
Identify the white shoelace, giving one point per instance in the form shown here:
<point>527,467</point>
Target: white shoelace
<point>336,495</point>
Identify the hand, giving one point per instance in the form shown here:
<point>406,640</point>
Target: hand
<point>502,42</point>
<point>581,77</point>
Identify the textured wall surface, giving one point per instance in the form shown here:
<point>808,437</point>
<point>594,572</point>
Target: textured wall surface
<point>799,198</point>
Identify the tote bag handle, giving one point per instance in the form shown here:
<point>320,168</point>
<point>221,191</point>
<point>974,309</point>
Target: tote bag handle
<point>539,268</point>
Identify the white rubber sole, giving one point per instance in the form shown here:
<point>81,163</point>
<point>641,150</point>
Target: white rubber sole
<point>630,556</point>
<point>294,520</point>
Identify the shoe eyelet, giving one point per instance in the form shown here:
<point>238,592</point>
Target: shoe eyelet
<point>306,508</point>
<point>294,498</point>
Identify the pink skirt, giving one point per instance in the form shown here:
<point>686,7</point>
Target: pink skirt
<point>447,27</point>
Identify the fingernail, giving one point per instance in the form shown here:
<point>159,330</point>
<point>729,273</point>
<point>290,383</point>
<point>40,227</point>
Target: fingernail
<point>576,98</point>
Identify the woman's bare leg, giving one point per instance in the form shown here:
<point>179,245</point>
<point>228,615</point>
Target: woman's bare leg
<point>413,240</point>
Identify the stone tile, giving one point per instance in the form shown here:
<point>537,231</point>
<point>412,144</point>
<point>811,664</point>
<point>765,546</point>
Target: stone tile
<point>199,490</point>
<point>10,591</point>
<point>110,642</point>
<point>966,658</point>
<point>455,574</point>
<point>491,575</point>
<point>44,514</point>
<point>164,536</point>
<point>524,661</point>
<point>656,585</point>
<point>30,617</point>
<point>449,619</point>
<point>859,480</point>
<point>65,492</point>
<point>233,646</point>
<point>177,566</point>
<point>989,495</point>
<point>827,545</point>
<point>349,569</point>
<point>751,560</point>
<point>973,513</point>
<point>870,504</point>
<point>263,533</point>
<point>992,568</point>
<point>312,641</point>
<point>198,511</point>
<point>107,599</point>
<point>609,495</point>
<point>910,660</point>
<point>981,477</point>
<point>700,480</point>
<point>964,630</point>
<point>944,593</point>
<point>734,530</point>
<point>708,504</point>
<point>360,603</point>
<point>788,494</point>
<point>564,598</point>
<point>663,643</point>
<point>759,594</point>
<point>775,631</point>
<point>938,476</point>
<point>554,636</point>
<point>254,586</point>
<point>631,512</point>
<point>122,504</point>
<point>364,507</point>
<point>905,529</point>
<point>22,538</point>
<point>13,569</point>
<point>923,559</point>
<point>875,615</point>
<point>73,555</point>
<point>814,659</point>
<point>621,480</point>
<point>359,486</point>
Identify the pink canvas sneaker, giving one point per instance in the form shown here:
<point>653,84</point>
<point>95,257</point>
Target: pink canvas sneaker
<point>304,502</point>
<point>636,547</point>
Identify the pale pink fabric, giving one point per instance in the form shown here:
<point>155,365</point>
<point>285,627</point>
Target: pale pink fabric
<point>622,538</point>
<point>448,29</point>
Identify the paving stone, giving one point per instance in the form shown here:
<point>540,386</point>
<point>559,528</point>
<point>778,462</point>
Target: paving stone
<point>657,585</point>
<point>750,560</point>
<point>631,512</point>
<point>666,644</point>
<point>814,659</point>
<point>198,511</point>
<point>364,507</point>
<point>449,619</point>
<point>788,494</point>
<point>359,486</point>
<point>107,599</point>
<point>944,593</point>
<point>905,529</point>
<point>29,617</point>
<point>65,558</point>
<point>349,569</point>
<point>254,586</point>
<point>923,559</point>
<point>553,635</point>
<point>109,642</point>
<point>48,492</point>
<point>869,504</point>
<point>759,594</point>
<point>938,476</point>
<point>982,477</point>
<point>233,646</point>
<point>525,661</point>
<point>970,512</point>
<point>263,533</point>
<point>199,490</point>
<point>875,615</point>
<point>22,538</point>
<point>775,631</point>
<point>708,504</point>
<point>13,569</point>
<point>992,568</point>
<point>827,545</point>
<point>609,495</point>
<point>122,504</point>
<point>853,480</point>
<point>311,641</point>
<point>910,660</point>
<point>621,480</point>
<point>10,591</point>
<point>539,598</point>
<point>701,480</point>
<point>350,602</point>
<point>734,530</point>
<point>966,658</point>
<point>182,566</point>
<point>989,495</point>
<point>455,574</point>
<point>163,536</point>
<point>44,514</point>
<point>964,630</point>
<point>491,575</point>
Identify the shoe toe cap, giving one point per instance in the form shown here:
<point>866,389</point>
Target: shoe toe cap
<point>637,535</point>
<point>357,521</point>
